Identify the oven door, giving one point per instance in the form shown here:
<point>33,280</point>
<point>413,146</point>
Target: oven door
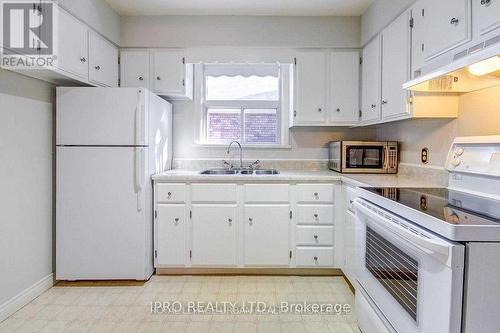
<point>414,277</point>
<point>363,157</point>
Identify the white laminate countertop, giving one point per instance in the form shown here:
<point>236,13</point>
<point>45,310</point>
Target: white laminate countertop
<point>180,175</point>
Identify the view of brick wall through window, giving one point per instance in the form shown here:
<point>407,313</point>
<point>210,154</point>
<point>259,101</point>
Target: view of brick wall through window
<point>261,126</point>
<point>223,125</point>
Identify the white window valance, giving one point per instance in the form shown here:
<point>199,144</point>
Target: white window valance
<point>246,70</point>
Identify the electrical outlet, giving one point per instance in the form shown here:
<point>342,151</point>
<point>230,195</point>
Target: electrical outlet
<point>424,155</point>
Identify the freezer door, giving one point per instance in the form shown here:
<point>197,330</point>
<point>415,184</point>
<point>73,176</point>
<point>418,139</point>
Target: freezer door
<point>87,116</point>
<point>103,214</point>
<point>160,132</point>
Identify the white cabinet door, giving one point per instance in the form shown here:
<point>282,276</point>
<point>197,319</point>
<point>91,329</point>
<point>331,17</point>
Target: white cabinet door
<point>344,81</point>
<point>134,69</point>
<point>73,46</point>
<point>370,87</point>
<point>103,66</point>
<point>170,234</point>
<point>447,25</point>
<point>214,235</point>
<point>395,67</point>
<point>310,88</point>
<point>169,72</point>
<point>417,38</point>
<point>267,233</point>
<point>486,16</point>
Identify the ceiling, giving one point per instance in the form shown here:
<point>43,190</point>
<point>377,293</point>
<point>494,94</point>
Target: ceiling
<point>241,7</point>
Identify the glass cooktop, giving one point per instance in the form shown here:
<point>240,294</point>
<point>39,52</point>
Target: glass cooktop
<point>454,207</point>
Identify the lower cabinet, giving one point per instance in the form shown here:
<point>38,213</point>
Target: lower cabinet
<point>266,235</point>
<point>171,235</point>
<point>229,225</point>
<point>213,235</point>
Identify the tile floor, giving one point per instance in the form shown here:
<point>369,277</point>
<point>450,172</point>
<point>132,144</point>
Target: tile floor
<point>98,308</point>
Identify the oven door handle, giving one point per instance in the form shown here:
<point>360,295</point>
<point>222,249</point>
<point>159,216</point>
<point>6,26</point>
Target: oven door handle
<point>430,246</point>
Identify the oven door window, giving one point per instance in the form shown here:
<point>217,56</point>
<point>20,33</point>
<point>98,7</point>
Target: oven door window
<point>364,157</point>
<point>396,271</point>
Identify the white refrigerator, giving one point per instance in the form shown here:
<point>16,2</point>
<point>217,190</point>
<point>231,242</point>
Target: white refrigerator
<point>109,141</point>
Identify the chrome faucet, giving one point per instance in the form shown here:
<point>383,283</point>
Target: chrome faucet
<point>241,152</point>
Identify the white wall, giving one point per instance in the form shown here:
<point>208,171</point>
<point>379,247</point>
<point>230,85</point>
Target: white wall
<point>379,14</point>
<point>26,176</point>
<point>245,31</point>
<point>237,31</point>
<point>97,14</point>
<point>478,115</point>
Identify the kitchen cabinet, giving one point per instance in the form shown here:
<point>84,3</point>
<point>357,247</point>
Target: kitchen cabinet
<point>310,88</point>
<point>214,224</point>
<point>103,61</point>
<point>349,233</point>
<point>134,68</point>
<point>73,46</point>
<point>370,84</point>
<point>447,26</point>
<point>266,235</point>
<point>171,232</point>
<point>214,235</point>
<point>417,13</point>
<point>344,87</point>
<point>171,76</point>
<point>395,41</point>
<point>485,16</point>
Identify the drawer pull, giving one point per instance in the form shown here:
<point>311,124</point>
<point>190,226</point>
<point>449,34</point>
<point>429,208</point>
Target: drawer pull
<point>141,78</point>
<point>230,221</point>
<point>250,221</point>
<point>83,59</point>
<point>316,237</point>
<point>454,21</point>
<point>315,259</point>
<point>316,217</point>
<point>97,67</point>
<point>176,221</point>
<point>169,195</point>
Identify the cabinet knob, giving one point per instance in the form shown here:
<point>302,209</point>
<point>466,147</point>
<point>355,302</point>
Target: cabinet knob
<point>158,78</point>
<point>485,2</point>
<point>97,67</point>
<point>316,195</point>
<point>315,216</point>
<point>141,78</point>
<point>230,221</point>
<point>315,258</point>
<point>374,106</point>
<point>320,110</point>
<point>454,21</point>
<point>384,102</point>
<point>169,195</point>
<point>338,110</point>
<point>316,237</point>
<point>176,220</point>
<point>250,221</point>
<point>83,59</point>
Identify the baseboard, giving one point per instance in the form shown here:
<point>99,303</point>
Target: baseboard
<point>250,271</point>
<point>24,297</point>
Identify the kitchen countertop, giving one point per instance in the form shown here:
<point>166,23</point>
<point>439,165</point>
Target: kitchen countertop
<point>180,175</point>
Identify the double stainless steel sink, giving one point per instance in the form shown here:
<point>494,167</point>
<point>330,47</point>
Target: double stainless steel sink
<point>257,172</point>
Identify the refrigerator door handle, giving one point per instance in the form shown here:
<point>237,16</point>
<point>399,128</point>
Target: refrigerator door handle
<point>139,176</point>
<point>139,118</point>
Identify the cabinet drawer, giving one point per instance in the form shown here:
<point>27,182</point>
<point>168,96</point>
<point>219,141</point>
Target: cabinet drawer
<point>267,193</point>
<point>315,214</point>
<point>213,193</point>
<point>315,193</point>
<point>314,257</point>
<point>350,195</point>
<point>171,193</point>
<point>314,235</point>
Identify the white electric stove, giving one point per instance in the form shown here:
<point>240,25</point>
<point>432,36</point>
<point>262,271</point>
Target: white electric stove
<point>429,258</point>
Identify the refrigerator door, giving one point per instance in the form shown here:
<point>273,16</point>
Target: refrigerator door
<point>103,213</point>
<point>89,116</point>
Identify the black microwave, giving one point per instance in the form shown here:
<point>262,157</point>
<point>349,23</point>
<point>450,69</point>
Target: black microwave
<point>364,157</point>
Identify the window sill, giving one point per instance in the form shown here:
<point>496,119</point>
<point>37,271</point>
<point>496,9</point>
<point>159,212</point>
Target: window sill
<point>215,145</point>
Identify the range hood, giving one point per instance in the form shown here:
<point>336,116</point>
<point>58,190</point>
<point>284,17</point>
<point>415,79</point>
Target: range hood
<point>472,69</point>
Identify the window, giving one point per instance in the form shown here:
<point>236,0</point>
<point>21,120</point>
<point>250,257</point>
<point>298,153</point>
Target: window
<point>243,102</point>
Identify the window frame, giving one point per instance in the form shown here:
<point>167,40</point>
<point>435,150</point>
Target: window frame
<point>282,107</point>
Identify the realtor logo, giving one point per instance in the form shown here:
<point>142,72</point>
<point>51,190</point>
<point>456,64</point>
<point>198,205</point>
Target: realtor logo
<point>29,35</point>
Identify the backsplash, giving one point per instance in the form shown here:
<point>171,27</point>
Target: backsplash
<point>201,164</point>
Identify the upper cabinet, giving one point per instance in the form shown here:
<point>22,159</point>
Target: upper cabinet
<point>395,67</point>
<point>485,16</point>
<point>310,88</point>
<point>103,57</point>
<point>344,87</point>
<point>163,71</point>
<point>326,88</point>
<point>370,86</point>
<point>73,46</point>
<point>447,25</point>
